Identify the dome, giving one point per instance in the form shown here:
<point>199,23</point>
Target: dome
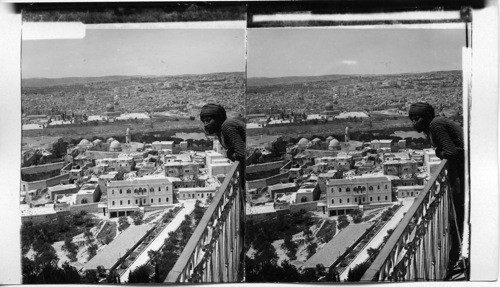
<point>155,142</point>
<point>316,140</point>
<point>97,141</point>
<point>329,107</point>
<point>84,142</point>
<point>110,140</point>
<point>334,142</point>
<point>328,139</point>
<point>115,145</point>
<point>303,141</point>
<point>110,108</point>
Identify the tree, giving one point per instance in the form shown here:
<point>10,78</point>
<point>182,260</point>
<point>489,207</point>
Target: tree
<point>123,223</point>
<point>357,216</point>
<point>311,249</point>
<point>92,250</point>
<point>357,272</point>
<point>343,221</point>
<point>138,217</point>
<point>140,274</point>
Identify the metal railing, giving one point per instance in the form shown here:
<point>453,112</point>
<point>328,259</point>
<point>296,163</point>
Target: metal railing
<point>419,247</point>
<point>213,253</point>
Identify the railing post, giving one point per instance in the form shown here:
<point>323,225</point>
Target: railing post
<point>419,246</point>
<point>209,255</point>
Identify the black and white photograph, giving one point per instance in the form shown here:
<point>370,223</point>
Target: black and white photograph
<point>249,142</point>
<point>361,135</point>
<point>129,133</point>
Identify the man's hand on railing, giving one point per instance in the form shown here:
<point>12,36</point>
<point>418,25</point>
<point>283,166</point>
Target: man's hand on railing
<point>253,157</point>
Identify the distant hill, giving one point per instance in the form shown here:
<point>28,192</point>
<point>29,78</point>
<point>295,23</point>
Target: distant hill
<point>49,82</point>
<point>261,81</point>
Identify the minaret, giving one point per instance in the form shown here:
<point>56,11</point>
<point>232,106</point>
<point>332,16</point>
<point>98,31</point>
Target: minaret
<point>127,136</point>
<point>346,135</point>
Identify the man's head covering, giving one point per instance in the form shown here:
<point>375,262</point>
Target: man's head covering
<point>214,111</point>
<point>423,110</point>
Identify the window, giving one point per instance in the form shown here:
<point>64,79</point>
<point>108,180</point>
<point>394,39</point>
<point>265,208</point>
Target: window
<point>120,191</point>
<point>144,201</point>
<point>166,199</point>
<point>129,191</point>
<point>348,200</point>
<point>159,188</point>
<point>136,202</point>
<point>112,191</point>
<point>333,201</point>
<point>166,188</point>
<point>386,197</point>
<point>364,199</point>
<point>386,186</point>
<point>378,198</point>
<point>151,200</point>
<point>412,193</point>
<point>355,199</point>
<point>186,170</point>
<point>129,202</point>
<point>340,189</point>
<point>113,202</point>
<point>348,190</point>
<point>159,200</point>
<point>121,202</point>
<point>340,200</point>
<point>378,186</point>
<point>371,199</point>
<point>152,190</point>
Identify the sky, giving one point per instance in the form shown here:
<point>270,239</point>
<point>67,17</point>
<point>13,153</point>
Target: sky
<point>285,52</point>
<point>158,52</point>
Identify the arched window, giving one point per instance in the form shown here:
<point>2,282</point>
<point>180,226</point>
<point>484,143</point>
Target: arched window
<point>152,190</point>
<point>113,202</point>
<point>159,188</point>
<point>348,200</point>
<point>120,191</point>
<point>371,199</point>
<point>84,201</point>
<point>136,202</point>
<point>159,199</point>
<point>121,202</point>
<point>129,202</point>
<point>378,186</point>
<point>386,197</point>
<point>151,200</point>
<point>340,189</point>
<point>303,199</point>
<point>333,201</point>
<point>348,190</point>
<point>370,188</point>
<point>355,199</point>
<point>129,191</point>
<point>340,200</point>
<point>167,199</point>
<point>378,198</point>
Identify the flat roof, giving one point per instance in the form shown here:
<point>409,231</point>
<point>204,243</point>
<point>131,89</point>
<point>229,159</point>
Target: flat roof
<point>260,209</point>
<point>337,246</point>
<point>61,187</point>
<point>108,256</point>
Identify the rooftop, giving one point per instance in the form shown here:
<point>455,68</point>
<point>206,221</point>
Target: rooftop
<point>337,246</point>
<point>118,247</point>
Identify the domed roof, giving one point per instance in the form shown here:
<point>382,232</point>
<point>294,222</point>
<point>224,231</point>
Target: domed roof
<point>115,144</point>
<point>316,140</point>
<point>97,141</point>
<point>110,140</point>
<point>155,142</point>
<point>84,142</point>
<point>303,141</point>
<point>328,139</point>
<point>110,108</point>
<point>329,107</point>
<point>334,142</point>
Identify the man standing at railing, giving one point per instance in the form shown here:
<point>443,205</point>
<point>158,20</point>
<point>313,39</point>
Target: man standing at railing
<point>230,132</point>
<point>447,137</point>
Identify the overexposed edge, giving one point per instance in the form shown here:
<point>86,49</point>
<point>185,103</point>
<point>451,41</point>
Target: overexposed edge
<point>10,145</point>
<point>356,17</point>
